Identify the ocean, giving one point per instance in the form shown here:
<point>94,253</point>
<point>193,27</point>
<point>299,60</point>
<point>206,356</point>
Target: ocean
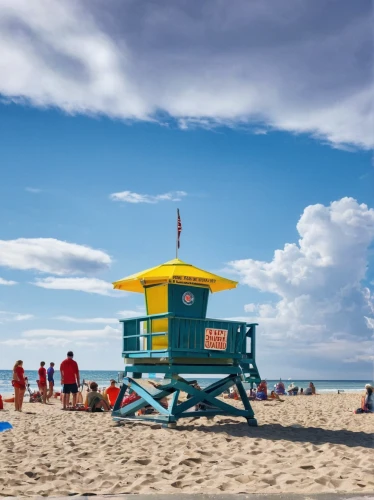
<point>102,378</point>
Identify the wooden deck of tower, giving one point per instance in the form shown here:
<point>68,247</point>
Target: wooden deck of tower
<point>176,338</point>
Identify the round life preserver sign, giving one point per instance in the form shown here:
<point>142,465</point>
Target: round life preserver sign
<point>188,298</point>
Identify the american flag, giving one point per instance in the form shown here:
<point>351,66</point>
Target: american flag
<point>179,227</point>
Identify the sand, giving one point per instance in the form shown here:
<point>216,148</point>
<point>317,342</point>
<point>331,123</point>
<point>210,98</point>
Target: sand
<point>306,445</point>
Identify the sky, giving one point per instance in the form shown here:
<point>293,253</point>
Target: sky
<point>256,122</point>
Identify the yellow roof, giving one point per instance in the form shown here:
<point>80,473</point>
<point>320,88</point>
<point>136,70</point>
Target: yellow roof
<point>175,271</point>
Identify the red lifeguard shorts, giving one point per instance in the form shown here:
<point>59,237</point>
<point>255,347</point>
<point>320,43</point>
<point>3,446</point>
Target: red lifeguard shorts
<point>18,384</point>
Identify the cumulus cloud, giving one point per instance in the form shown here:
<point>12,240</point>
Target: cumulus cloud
<point>130,197</point>
<point>88,285</point>
<point>294,66</point>
<point>49,255</point>
<point>323,305</point>
<point>7,282</point>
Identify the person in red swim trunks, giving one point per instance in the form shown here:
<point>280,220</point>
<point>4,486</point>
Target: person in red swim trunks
<point>42,372</point>
<point>69,379</point>
<point>19,384</point>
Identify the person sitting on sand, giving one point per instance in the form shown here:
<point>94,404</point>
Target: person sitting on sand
<point>280,389</point>
<point>19,384</point>
<point>96,401</point>
<point>274,395</point>
<point>262,391</point>
<point>310,390</point>
<point>369,399</point>
<point>292,389</point>
<point>232,394</point>
<point>251,394</point>
<point>112,392</point>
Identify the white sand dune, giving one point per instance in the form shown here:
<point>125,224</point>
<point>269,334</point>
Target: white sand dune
<point>306,444</point>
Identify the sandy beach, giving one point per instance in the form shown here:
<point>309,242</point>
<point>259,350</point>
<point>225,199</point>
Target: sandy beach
<point>306,445</point>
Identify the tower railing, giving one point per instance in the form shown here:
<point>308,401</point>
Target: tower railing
<point>185,338</point>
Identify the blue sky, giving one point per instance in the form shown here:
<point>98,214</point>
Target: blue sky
<point>248,182</point>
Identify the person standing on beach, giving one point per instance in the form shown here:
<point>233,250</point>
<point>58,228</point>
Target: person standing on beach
<point>42,372</point>
<point>69,379</point>
<point>19,384</point>
<point>51,381</point>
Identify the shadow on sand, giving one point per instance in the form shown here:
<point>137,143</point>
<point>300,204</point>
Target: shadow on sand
<point>277,432</point>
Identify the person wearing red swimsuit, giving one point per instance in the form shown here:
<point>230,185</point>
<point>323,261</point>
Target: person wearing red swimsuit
<point>42,372</point>
<point>19,384</point>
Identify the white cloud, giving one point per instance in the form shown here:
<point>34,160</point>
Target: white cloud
<point>51,256</point>
<point>6,316</point>
<point>293,66</point>
<point>41,338</point>
<point>322,306</point>
<point>7,283</point>
<point>121,315</point>
<point>130,197</point>
<point>107,332</point>
<point>250,307</point>
<point>260,131</point>
<point>88,285</point>
<point>35,343</point>
<point>33,190</point>
<point>69,319</point>
<point>131,314</point>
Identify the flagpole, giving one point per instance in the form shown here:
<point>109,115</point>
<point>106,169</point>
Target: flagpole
<point>176,246</point>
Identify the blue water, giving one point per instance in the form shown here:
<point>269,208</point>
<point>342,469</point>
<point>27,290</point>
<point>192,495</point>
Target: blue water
<point>103,377</point>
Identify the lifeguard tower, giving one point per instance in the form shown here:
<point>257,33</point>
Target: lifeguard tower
<point>176,338</point>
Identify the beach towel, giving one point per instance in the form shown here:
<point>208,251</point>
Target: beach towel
<point>5,426</point>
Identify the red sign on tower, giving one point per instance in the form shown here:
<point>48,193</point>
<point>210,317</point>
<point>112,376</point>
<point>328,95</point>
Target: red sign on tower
<point>215,339</point>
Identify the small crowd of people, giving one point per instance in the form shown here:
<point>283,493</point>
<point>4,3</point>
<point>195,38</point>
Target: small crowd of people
<point>261,393</point>
<point>104,401</point>
<point>70,381</point>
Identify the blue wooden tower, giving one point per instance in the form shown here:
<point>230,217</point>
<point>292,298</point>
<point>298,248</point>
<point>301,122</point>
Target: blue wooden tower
<point>176,339</point>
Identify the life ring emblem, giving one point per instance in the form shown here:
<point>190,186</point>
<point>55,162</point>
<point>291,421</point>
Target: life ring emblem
<point>188,298</point>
